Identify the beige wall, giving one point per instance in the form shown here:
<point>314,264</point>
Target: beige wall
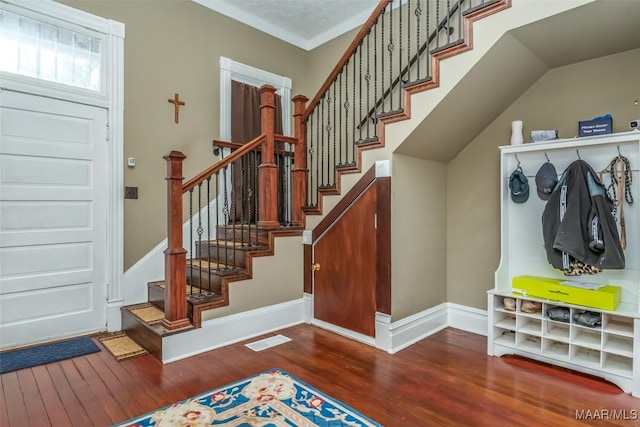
<point>175,46</point>
<point>269,284</point>
<point>561,98</point>
<point>418,235</point>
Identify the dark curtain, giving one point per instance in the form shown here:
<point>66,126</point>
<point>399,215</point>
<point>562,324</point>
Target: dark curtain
<point>245,126</point>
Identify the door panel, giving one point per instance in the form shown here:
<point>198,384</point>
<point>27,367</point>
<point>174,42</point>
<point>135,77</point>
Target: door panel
<point>53,185</point>
<point>344,286</point>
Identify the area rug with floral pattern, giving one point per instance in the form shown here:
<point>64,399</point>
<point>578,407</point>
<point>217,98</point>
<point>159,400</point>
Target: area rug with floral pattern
<point>270,399</point>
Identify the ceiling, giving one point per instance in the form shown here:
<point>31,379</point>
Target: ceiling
<point>303,23</point>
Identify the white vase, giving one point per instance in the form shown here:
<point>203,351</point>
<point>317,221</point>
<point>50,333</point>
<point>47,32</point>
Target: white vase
<point>516,132</point>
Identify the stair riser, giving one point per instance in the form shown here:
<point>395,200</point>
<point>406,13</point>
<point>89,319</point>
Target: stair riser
<point>155,295</point>
<point>221,254</point>
<point>243,235</point>
<point>142,334</point>
<point>202,279</point>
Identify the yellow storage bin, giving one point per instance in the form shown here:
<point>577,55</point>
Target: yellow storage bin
<point>605,298</point>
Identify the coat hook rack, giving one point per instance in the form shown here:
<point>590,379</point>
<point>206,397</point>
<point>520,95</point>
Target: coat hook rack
<point>619,154</point>
<point>578,153</point>
<point>517,160</point>
<point>545,155</point>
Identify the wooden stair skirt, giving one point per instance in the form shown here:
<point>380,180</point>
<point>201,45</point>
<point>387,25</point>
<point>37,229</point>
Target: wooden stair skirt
<point>217,263</point>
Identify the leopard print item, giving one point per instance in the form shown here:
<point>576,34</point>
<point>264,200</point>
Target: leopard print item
<point>579,268</point>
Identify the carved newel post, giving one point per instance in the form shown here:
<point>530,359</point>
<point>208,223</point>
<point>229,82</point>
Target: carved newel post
<point>299,173</point>
<point>175,256</point>
<point>268,170</point>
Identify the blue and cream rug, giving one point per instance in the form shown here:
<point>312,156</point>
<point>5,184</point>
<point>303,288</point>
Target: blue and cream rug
<point>270,399</point>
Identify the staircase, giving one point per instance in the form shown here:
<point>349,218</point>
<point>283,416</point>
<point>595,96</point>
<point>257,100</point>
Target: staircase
<point>325,147</point>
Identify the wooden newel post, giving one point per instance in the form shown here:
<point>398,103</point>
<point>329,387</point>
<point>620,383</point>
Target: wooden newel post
<point>175,256</point>
<point>268,171</point>
<point>299,173</point>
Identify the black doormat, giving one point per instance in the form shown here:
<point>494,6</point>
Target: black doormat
<point>13,360</point>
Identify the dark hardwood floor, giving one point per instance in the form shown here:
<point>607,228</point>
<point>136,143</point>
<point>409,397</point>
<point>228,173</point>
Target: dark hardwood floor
<point>444,380</point>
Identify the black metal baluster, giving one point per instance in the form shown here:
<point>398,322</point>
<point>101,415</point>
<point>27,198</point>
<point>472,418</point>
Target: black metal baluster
<point>418,13</point>
<point>346,112</point>
<point>321,152</point>
<point>460,19</point>
<point>328,129</point>
<point>427,41</point>
<point>234,223</point>
<point>199,231</point>
<point>400,57</point>
<point>191,241</point>
<point>390,48</point>
<point>359,101</point>
<point>437,24</point>
<point>244,189</point>
<point>309,177</point>
<point>209,231</point>
<point>318,153</point>
<point>382,47</point>
<point>253,240</point>
<point>375,76</point>
<point>217,221</point>
<point>449,22</point>
<point>408,76</point>
<point>340,121</point>
<point>367,77</point>
<point>335,127</point>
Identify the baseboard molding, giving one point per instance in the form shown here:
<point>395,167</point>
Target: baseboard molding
<point>231,329</point>
<point>467,319</point>
<point>114,315</point>
<point>344,332</point>
<point>405,332</point>
<point>393,337</point>
<point>390,336</point>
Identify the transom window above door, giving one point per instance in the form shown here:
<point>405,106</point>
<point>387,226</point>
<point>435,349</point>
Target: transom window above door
<point>42,50</point>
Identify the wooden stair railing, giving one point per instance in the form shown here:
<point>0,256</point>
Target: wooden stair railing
<point>394,55</point>
<point>270,148</point>
<point>348,114</point>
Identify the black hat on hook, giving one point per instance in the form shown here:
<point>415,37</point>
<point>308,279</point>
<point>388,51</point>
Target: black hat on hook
<point>546,180</point>
<point>519,186</point>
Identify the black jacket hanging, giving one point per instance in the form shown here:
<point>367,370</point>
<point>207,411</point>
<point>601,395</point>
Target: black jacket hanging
<point>577,221</point>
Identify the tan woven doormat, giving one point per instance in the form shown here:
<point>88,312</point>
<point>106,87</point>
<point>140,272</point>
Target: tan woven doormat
<point>121,346</point>
<point>148,313</point>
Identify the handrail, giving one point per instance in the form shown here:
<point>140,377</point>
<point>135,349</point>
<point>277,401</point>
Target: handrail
<point>414,59</point>
<point>347,54</point>
<point>235,155</point>
<point>236,145</point>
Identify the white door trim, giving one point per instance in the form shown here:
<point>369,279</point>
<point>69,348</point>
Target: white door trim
<point>112,98</point>
<point>232,70</point>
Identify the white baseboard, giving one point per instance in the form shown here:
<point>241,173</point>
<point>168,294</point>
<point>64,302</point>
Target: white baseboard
<point>231,329</point>
<point>408,331</point>
<point>390,337</point>
<point>393,337</point>
<point>467,319</point>
<point>344,332</point>
<point>114,315</point>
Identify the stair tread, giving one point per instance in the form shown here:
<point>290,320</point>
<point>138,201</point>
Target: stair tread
<point>212,265</point>
<point>233,244</point>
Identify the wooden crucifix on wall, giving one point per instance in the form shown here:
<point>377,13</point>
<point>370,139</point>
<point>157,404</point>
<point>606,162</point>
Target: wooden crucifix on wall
<point>177,103</point>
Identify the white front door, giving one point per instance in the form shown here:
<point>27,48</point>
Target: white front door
<point>53,218</point>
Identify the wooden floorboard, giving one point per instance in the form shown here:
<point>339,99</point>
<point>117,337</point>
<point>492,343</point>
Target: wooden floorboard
<point>444,380</point>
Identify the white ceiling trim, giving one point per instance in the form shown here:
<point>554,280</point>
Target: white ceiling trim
<point>267,27</point>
